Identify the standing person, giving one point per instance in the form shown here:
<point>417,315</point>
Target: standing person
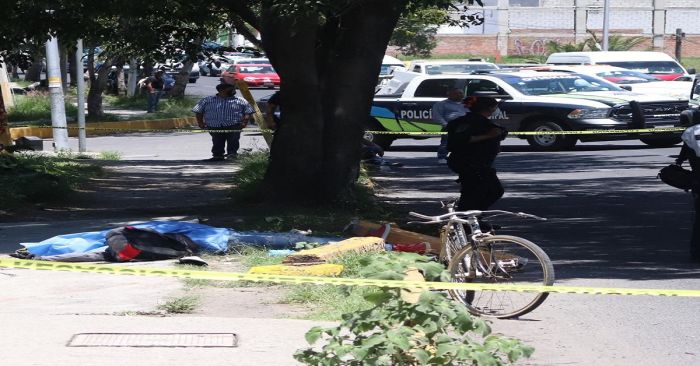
<point>275,102</point>
<point>154,86</point>
<point>443,112</point>
<point>691,152</point>
<point>473,142</point>
<point>223,111</point>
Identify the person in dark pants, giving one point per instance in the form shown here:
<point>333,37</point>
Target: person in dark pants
<point>690,152</point>
<point>473,142</point>
<point>155,86</point>
<point>225,112</point>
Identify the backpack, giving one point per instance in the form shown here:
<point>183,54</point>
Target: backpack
<point>128,243</point>
<point>675,176</point>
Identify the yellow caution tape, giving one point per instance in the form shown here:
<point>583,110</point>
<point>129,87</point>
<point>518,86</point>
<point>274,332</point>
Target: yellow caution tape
<point>233,276</point>
<point>404,133</point>
<point>533,133</point>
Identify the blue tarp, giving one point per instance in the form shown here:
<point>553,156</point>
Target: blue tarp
<point>209,238</point>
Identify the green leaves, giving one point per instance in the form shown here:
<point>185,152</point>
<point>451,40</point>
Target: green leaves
<point>313,335</point>
<point>433,331</point>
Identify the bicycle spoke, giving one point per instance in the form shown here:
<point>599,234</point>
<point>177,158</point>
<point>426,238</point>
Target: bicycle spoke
<point>502,260</point>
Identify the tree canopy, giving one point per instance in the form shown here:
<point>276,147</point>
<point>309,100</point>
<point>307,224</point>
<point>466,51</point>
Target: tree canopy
<point>327,53</point>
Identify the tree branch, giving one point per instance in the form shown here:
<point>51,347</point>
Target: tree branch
<point>242,9</point>
<point>242,28</point>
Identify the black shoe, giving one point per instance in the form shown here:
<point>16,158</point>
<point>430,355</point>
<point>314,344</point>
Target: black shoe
<point>231,156</point>
<point>214,158</point>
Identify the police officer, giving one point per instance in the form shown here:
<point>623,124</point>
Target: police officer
<point>473,142</point>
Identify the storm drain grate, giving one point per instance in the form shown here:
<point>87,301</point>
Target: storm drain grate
<point>154,340</point>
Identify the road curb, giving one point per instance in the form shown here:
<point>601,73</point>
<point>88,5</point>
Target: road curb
<point>158,124</point>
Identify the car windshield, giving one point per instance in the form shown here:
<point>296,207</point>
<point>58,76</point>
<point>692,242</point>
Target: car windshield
<point>650,67</point>
<point>626,77</point>
<point>457,68</point>
<point>256,70</point>
<point>386,68</point>
<point>564,84</point>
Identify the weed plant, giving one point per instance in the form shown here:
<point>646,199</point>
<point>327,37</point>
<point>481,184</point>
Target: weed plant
<point>180,305</point>
<point>35,107</point>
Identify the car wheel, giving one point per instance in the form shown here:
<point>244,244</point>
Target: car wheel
<point>549,142</point>
<point>193,80</point>
<point>661,142</point>
<point>383,140</point>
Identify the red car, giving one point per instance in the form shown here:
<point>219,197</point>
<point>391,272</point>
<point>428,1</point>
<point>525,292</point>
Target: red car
<point>255,75</point>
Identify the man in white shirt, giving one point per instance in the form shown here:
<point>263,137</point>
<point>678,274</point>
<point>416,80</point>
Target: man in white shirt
<point>443,112</point>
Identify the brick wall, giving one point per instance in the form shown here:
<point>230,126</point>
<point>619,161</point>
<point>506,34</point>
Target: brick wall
<point>477,45</point>
<point>527,44</point>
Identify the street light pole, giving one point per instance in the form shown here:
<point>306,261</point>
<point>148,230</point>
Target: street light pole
<point>58,108</point>
<point>606,23</point>
<point>79,72</point>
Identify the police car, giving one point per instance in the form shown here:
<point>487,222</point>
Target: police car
<point>533,100</point>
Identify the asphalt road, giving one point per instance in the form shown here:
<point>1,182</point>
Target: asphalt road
<point>611,224</point>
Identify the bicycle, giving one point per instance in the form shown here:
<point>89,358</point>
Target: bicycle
<point>483,257</point>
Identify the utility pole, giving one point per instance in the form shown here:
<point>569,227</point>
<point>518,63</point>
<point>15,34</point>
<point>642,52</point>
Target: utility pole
<point>679,43</point>
<point>606,24</point>
<point>80,83</point>
<point>58,108</point>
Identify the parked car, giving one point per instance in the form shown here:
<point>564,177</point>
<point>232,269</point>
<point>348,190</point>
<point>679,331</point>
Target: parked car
<point>437,67</point>
<point>255,75</point>
<point>629,79</point>
<point>532,101</point>
<point>692,115</point>
<point>657,64</point>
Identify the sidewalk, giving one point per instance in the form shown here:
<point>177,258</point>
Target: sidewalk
<point>42,310</point>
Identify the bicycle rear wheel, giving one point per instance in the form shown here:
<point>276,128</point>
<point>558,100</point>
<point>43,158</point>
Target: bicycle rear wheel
<point>501,259</point>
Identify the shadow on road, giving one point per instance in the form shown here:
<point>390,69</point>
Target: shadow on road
<point>608,217</point>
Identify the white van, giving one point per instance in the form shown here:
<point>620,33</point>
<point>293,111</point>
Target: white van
<point>657,64</point>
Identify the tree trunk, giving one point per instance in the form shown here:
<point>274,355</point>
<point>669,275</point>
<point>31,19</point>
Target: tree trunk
<point>352,66</point>
<point>181,80</point>
<point>121,84</point>
<point>326,97</point>
<point>15,72</point>
<point>76,68</point>
<point>33,73</point>
<point>296,154</point>
<point>98,83</point>
<point>63,65</point>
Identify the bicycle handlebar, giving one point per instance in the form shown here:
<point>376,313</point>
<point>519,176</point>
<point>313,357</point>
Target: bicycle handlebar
<point>473,213</point>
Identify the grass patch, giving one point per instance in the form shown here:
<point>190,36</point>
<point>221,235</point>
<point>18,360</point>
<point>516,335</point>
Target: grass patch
<point>180,305</point>
<point>330,302</point>
<point>36,107</point>
<point>30,178</point>
<point>110,155</point>
<point>167,107</point>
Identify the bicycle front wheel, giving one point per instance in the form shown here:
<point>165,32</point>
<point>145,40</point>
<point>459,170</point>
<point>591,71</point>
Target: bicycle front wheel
<point>501,259</point>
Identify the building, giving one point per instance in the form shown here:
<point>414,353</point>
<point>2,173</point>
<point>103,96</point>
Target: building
<point>523,27</point>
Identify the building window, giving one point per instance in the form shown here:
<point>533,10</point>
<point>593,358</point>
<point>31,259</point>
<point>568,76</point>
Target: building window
<point>524,3</point>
